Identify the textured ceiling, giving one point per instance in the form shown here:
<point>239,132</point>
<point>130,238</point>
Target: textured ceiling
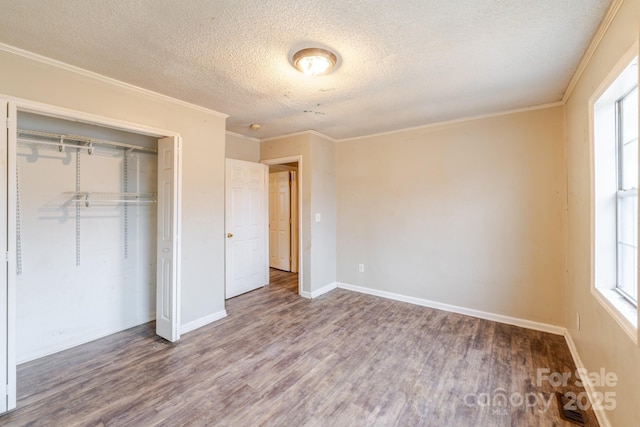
<point>401,63</point>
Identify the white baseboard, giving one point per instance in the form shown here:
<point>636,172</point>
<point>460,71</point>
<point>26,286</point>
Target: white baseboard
<point>323,290</point>
<point>601,414</point>
<point>529,324</point>
<point>198,323</point>
<point>305,294</point>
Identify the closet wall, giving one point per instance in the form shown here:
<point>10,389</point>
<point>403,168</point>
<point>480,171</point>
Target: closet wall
<point>84,271</point>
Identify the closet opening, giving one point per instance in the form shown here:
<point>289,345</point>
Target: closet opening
<point>86,225</point>
<point>93,218</point>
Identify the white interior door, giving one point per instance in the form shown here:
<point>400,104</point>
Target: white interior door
<point>280,221</point>
<point>246,246</point>
<point>168,275</point>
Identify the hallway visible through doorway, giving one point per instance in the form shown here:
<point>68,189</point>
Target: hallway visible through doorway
<point>285,280</point>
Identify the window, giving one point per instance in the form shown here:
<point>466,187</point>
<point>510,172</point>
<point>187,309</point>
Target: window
<point>627,195</point>
<point>615,198</point>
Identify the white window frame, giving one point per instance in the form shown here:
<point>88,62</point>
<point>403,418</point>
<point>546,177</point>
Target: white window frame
<point>605,194</point>
<point>621,194</point>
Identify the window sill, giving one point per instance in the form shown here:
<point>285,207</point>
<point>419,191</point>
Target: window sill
<point>622,311</point>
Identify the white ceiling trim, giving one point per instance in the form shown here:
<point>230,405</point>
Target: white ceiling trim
<point>303,132</point>
<point>455,121</point>
<point>238,135</point>
<point>322,135</point>
<point>86,73</point>
<point>591,49</point>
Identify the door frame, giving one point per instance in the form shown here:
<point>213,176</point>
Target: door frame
<point>280,161</point>
<point>14,105</point>
<point>290,209</point>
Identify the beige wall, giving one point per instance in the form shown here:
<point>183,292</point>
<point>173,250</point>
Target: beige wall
<point>469,214</point>
<point>239,147</point>
<point>203,162</point>
<point>323,201</point>
<point>600,341</point>
<point>318,185</point>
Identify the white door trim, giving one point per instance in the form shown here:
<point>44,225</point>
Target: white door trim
<point>291,159</point>
<point>11,257</point>
<point>295,220</point>
<point>7,376</point>
<point>280,220</point>
<point>80,116</point>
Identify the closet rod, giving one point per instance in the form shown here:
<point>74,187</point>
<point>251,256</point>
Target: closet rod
<point>60,140</point>
<point>55,144</point>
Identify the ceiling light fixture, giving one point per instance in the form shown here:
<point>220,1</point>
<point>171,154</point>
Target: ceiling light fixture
<point>314,61</point>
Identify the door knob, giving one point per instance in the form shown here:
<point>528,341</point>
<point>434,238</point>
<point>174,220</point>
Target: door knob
<point>229,235</point>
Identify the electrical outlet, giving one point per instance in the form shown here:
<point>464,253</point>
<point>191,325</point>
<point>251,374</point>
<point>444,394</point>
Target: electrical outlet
<point>578,320</point>
<point>361,268</point>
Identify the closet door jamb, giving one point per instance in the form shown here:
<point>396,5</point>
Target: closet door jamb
<point>8,285</point>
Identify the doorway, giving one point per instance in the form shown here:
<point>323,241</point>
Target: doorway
<point>284,216</point>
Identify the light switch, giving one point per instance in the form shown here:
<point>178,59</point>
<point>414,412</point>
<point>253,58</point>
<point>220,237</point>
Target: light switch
<point>318,217</point>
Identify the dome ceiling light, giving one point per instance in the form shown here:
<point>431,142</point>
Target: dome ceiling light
<point>314,61</point>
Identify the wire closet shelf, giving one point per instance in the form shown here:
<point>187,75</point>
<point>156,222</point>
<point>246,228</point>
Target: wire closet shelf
<point>78,142</point>
<point>75,141</point>
<point>89,199</point>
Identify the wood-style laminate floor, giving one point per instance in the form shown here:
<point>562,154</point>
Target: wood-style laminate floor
<point>343,359</point>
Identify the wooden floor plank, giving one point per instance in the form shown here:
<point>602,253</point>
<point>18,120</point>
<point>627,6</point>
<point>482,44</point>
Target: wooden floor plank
<point>278,359</point>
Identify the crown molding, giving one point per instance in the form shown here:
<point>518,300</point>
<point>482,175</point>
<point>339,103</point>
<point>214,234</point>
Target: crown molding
<point>239,135</point>
<point>322,135</point>
<point>90,74</point>
<point>304,132</point>
<point>456,121</point>
<point>591,49</point>
<point>288,135</point>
